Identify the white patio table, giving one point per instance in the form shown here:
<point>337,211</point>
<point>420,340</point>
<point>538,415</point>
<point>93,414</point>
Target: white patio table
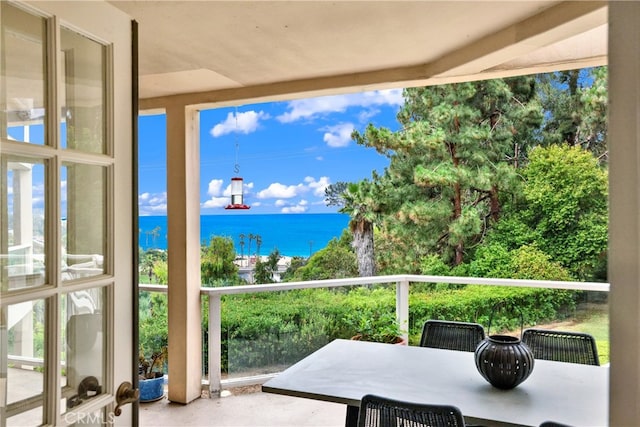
<point>343,371</point>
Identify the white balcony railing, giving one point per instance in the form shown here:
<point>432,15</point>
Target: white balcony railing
<point>215,383</point>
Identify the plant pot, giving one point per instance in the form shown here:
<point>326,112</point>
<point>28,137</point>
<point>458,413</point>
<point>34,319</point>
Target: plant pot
<point>504,361</point>
<point>151,389</point>
<point>396,341</point>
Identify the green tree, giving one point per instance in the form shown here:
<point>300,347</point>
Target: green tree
<point>264,271</point>
<point>360,201</point>
<point>575,102</point>
<point>562,211</point>
<point>567,197</point>
<point>452,162</point>
<point>217,261</point>
<point>258,245</point>
<point>296,263</point>
<point>148,259</point>
<point>161,271</point>
<point>335,261</point>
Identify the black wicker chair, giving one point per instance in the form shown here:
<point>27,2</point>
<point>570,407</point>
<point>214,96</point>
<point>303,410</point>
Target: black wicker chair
<point>562,346</point>
<point>451,335</point>
<point>376,411</point>
<point>553,424</point>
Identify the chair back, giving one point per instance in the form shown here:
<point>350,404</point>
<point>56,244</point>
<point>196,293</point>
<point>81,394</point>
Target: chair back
<point>553,424</point>
<point>451,335</point>
<point>562,346</point>
<point>377,411</point>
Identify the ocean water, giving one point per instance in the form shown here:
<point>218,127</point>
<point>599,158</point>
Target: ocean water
<point>291,234</point>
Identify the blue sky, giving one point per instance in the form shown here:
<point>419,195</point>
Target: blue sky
<point>287,152</point>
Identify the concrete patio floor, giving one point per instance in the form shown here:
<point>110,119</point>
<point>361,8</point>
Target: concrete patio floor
<point>244,410</point>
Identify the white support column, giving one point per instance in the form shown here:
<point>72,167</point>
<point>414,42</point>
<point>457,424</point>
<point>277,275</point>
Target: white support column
<point>183,215</point>
<point>624,217</point>
<point>215,346</point>
<point>402,307</point>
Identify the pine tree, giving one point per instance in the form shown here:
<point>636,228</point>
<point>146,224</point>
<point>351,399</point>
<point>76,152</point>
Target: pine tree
<point>452,162</point>
<point>575,102</point>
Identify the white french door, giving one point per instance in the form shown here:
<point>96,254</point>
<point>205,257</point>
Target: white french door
<point>66,219</point>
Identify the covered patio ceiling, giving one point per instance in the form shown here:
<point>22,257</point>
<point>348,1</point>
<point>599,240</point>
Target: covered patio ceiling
<point>229,52</point>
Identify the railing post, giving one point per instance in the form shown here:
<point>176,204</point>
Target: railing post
<point>215,345</point>
<point>402,307</point>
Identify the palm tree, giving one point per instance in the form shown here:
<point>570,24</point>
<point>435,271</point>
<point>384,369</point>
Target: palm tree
<point>242,246</point>
<point>360,202</point>
<point>258,243</point>
<point>251,237</point>
<point>155,233</point>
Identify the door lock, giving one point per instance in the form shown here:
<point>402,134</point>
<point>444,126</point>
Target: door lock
<point>125,394</point>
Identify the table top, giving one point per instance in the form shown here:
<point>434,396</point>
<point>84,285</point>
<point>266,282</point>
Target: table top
<point>343,371</point>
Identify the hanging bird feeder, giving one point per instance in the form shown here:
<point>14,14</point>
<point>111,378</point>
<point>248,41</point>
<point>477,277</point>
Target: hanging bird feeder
<point>237,185</point>
<point>236,194</point>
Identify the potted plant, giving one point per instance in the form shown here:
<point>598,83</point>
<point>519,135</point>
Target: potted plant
<point>154,341</point>
<point>376,326</point>
<point>151,375</point>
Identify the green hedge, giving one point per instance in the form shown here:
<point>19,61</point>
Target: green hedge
<point>269,329</point>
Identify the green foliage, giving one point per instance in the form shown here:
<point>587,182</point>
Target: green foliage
<point>576,106</point>
<point>562,212</point>
<point>148,260</point>
<point>153,329</point>
<point>264,271</point>
<point>566,196</point>
<point>529,262</point>
<point>476,303</point>
<point>361,201</point>
<point>491,260</point>
<point>275,329</point>
<point>161,272</point>
<point>526,262</point>
<point>335,261</point>
<point>216,261</point>
<point>371,315</point>
<point>450,164</point>
<point>296,263</point>
<point>433,265</point>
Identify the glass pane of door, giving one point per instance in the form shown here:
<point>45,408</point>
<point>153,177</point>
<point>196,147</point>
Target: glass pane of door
<point>83,189</point>
<point>22,252</point>
<point>22,326</point>
<point>83,356</point>
<point>83,121</point>
<point>22,99</point>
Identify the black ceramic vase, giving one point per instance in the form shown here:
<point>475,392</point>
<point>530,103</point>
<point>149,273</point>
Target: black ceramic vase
<point>504,361</point>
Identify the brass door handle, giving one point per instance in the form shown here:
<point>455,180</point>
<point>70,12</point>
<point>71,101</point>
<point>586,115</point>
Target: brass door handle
<point>125,394</point>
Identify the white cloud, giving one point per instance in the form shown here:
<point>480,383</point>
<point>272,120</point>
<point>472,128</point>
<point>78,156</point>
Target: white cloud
<point>319,158</point>
<point>365,115</point>
<point>152,204</point>
<point>301,207</point>
<point>280,191</point>
<point>216,202</point>
<point>309,108</point>
<point>283,192</point>
<point>319,186</point>
<point>247,122</point>
<point>215,186</point>
<point>338,135</point>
